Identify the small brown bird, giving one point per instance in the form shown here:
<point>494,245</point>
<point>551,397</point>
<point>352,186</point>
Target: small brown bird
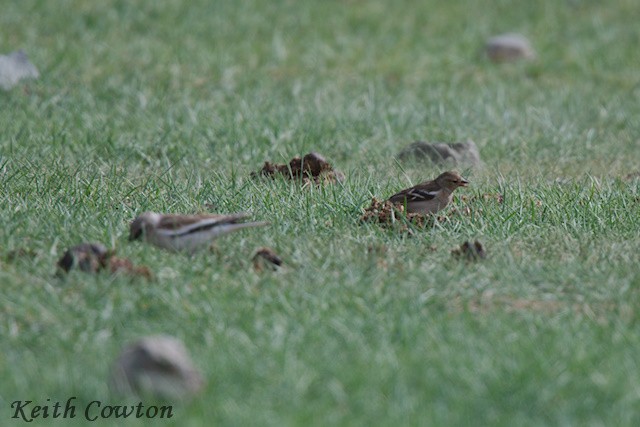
<point>185,232</point>
<point>431,196</point>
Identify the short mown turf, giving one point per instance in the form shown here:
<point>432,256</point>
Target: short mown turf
<point>169,106</point>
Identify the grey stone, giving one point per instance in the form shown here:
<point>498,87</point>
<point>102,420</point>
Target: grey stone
<point>157,366</point>
<point>15,67</point>
<point>455,154</point>
<point>509,47</point>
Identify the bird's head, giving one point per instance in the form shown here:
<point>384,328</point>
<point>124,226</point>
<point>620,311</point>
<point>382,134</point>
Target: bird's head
<point>142,225</point>
<point>451,180</point>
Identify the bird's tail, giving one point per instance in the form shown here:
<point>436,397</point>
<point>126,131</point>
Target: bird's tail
<point>240,225</point>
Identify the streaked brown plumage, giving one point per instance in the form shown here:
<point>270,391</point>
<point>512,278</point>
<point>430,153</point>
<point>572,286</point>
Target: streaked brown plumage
<point>185,232</point>
<point>430,196</point>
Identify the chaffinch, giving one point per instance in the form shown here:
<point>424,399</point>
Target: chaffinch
<point>430,196</point>
<point>185,232</point>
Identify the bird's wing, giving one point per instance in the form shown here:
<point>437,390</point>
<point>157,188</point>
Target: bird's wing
<point>420,193</point>
<point>180,225</point>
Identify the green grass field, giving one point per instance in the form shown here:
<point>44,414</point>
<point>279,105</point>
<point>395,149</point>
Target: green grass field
<point>169,106</point>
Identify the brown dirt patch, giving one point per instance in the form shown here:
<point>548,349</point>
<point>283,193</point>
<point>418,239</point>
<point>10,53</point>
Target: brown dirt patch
<point>124,266</point>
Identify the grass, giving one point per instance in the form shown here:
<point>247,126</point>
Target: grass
<point>169,106</point>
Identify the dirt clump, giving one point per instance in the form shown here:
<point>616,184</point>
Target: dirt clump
<point>313,167</point>
<point>94,258</point>
<point>470,251</point>
<point>88,257</point>
<point>266,259</point>
<point>119,265</point>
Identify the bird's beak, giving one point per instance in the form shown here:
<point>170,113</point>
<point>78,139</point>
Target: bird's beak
<point>464,183</point>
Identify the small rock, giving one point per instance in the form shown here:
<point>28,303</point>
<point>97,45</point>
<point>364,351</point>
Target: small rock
<point>509,47</point>
<point>266,258</point>
<point>89,257</point>
<point>470,251</point>
<point>15,67</point>
<point>157,366</point>
<point>455,154</point>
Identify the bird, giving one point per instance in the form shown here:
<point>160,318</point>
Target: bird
<point>156,366</point>
<point>431,196</point>
<point>188,233</point>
